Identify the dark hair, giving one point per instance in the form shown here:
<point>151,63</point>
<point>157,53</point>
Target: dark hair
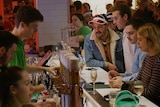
<point>7,39</point>
<point>123,9</point>
<point>72,7</point>
<point>86,4</point>
<point>10,76</point>
<point>135,22</point>
<point>78,5</point>
<point>143,2</point>
<point>80,16</point>
<point>27,14</point>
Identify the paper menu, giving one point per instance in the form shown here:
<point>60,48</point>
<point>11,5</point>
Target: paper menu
<point>102,75</point>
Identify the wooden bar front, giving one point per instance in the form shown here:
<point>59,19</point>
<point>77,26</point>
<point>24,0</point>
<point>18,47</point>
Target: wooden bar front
<point>67,82</point>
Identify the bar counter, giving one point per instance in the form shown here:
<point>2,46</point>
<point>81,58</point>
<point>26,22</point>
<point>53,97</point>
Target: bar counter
<point>94,100</point>
<point>97,99</point>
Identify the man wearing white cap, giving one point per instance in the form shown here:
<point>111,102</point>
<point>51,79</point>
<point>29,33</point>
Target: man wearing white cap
<point>103,47</point>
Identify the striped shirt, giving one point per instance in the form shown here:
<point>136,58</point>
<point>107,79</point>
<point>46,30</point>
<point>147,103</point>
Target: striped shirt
<point>150,75</point>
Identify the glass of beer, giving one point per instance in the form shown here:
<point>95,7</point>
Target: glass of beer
<point>93,78</point>
<point>138,87</point>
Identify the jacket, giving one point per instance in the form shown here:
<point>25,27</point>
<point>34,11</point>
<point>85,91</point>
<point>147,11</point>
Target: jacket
<point>95,53</point>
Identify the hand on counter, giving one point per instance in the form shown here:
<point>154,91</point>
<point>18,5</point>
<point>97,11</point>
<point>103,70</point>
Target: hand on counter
<point>116,82</point>
<point>113,73</point>
<point>111,66</point>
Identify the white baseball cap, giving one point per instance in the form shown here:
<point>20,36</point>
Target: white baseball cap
<point>99,19</point>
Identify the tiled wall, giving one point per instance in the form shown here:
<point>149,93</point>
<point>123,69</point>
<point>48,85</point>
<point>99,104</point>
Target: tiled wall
<point>55,14</point>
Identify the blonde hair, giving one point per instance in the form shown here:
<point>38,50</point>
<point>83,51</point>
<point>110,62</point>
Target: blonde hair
<point>152,33</point>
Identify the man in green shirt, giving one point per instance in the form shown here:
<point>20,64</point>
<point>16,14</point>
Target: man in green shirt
<point>27,20</point>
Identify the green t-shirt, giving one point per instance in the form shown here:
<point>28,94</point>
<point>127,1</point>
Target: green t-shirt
<point>84,31</point>
<point>19,56</point>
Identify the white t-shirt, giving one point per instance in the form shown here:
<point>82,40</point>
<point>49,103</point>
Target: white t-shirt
<point>128,52</point>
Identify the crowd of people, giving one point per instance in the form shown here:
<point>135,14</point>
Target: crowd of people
<point>123,41</point>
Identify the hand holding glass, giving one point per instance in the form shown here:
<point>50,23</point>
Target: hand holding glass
<point>93,78</point>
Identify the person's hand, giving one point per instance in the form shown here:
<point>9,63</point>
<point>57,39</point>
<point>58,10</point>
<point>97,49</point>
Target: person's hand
<point>41,86</point>
<point>52,70</point>
<point>38,88</point>
<point>112,67</point>
<point>72,28</point>
<point>80,38</point>
<point>116,82</point>
<point>112,73</point>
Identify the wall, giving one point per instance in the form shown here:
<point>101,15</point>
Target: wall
<point>55,14</point>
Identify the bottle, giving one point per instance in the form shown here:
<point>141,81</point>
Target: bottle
<point>63,45</point>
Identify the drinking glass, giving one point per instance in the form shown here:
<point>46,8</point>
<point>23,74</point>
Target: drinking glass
<point>55,51</point>
<point>93,74</point>
<point>112,98</point>
<point>138,87</point>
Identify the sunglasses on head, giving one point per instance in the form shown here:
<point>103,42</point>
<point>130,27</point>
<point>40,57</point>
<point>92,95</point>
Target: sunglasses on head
<point>101,16</point>
<point>98,21</point>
